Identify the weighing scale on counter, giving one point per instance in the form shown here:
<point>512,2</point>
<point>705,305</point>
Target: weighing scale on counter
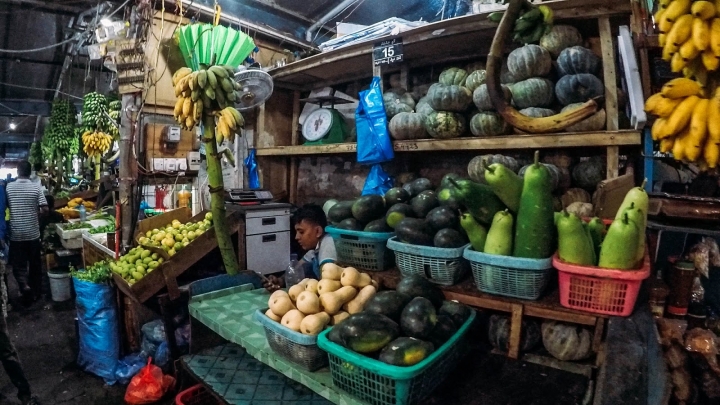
<point>325,125</point>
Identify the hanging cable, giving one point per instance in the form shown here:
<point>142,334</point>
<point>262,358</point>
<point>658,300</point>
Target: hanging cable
<point>38,88</point>
<point>16,111</point>
<point>73,38</point>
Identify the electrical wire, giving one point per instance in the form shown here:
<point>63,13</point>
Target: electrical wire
<point>16,111</point>
<point>14,51</point>
<point>39,89</point>
<point>323,26</point>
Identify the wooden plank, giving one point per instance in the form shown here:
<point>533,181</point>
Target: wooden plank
<point>165,58</point>
<point>294,141</point>
<point>598,334</point>
<point>156,147</point>
<point>405,77</point>
<point>613,162</point>
<point>583,369</point>
<point>515,331</point>
<point>564,140</point>
<point>611,102</point>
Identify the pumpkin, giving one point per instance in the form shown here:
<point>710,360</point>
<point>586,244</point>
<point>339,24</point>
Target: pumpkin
<point>407,125</point>
<point>420,91</point>
<point>578,88</point>
<point>423,106</point>
<point>473,66</point>
<point>581,209</point>
<point>452,76</point>
<point>566,342</point>
<point>529,61</point>
<point>397,101</point>
<point>535,112</point>
<point>577,59</point>
<point>532,92</point>
<point>559,38</point>
<point>445,124</point>
<point>589,173</point>
<point>476,168</point>
<point>559,159</point>
<point>481,97</point>
<point>487,123</point>
<point>554,174</point>
<point>505,76</point>
<point>499,333</point>
<point>475,79</point>
<point>594,122</point>
<point>575,195</point>
<point>449,98</point>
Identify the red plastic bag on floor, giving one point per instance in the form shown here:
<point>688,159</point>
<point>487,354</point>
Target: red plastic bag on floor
<point>148,386</point>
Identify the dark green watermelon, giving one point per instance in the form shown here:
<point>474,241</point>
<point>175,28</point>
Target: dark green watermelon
<point>389,303</point>
<point>396,195</point>
<point>397,213</point>
<point>417,286</point>
<point>368,208</point>
<point>378,225</point>
<point>449,238</point>
<point>414,231</point>
<point>443,217</point>
<point>350,224</point>
<point>423,203</point>
<point>340,211</point>
<point>418,318</point>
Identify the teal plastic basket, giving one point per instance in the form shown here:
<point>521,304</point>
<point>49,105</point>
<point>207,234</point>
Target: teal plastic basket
<point>440,265</point>
<point>379,383</point>
<point>294,346</point>
<point>362,250</point>
<point>510,276</point>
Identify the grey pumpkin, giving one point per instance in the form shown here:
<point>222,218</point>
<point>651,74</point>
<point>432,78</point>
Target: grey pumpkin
<point>475,79</point>
<point>445,124</point>
<point>452,76</point>
<point>449,98</point>
<point>578,59</point>
<point>423,106</point>
<point>529,61</point>
<point>488,123</point>
<point>407,125</point>
<point>532,92</point>
<point>397,101</point>
<point>594,122</point>
<point>481,97</point>
<point>578,88</point>
<point>566,342</point>
<point>559,38</point>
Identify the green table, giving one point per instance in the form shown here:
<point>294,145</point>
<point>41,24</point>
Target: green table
<point>229,313</point>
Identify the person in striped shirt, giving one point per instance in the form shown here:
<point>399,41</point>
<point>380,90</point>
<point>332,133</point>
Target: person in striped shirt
<point>26,201</point>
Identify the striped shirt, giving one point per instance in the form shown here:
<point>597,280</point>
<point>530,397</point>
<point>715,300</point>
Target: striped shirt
<point>24,199</point>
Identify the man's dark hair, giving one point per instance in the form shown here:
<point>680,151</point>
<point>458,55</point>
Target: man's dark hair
<point>37,167</point>
<point>24,169</point>
<point>312,213</point>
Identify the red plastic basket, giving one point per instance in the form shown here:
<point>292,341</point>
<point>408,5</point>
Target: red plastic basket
<point>196,395</point>
<point>599,290</point>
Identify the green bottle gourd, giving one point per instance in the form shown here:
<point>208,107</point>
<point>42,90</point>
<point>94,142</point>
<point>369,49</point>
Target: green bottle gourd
<point>619,246</point>
<point>500,236</point>
<point>505,184</point>
<point>597,233</point>
<point>479,199</point>
<point>637,216</point>
<point>639,197</point>
<point>475,232</point>
<point>574,244</point>
<point>535,231</point>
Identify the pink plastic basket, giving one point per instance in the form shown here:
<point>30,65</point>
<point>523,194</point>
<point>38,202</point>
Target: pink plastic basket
<point>196,395</point>
<point>599,290</point>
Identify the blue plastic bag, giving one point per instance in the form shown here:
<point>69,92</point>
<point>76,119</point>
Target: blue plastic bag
<point>373,139</point>
<point>98,329</point>
<point>252,168</point>
<point>377,182</point>
<point>128,366</point>
<point>162,355</point>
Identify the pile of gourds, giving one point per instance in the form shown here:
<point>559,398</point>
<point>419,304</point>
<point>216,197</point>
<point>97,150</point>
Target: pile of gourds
<point>311,305</point>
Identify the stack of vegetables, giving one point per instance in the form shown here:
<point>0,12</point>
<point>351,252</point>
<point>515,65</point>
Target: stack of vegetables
<point>401,327</point>
<point>98,272</point>
<point>622,247</point>
<point>311,305</point>
<point>70,211</point>
<point>59,141</point>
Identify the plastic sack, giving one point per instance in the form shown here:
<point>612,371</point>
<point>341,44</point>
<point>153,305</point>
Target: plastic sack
<point>162,355</point>
<point>154,331</point>
<point>182,335</point>
<point>148,386</point>
<point>98,329</point>
<point>252,168</point>
<point>378,181</point>
<point>373,140</point>
<point>147,347</point>
<point>128,366</point>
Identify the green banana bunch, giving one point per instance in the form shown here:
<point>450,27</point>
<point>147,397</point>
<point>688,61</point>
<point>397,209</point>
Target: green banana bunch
<point>531,25</point>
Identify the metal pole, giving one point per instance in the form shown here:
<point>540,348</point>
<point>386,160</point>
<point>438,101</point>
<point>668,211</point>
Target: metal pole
<point>128,165</point>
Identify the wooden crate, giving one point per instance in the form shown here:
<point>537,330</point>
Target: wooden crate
<point>94,252</point>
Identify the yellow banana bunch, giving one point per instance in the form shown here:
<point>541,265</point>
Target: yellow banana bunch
<point>689,124</point>
<point>96,143</point>
<point>690,36</point>
<point>227,123</point>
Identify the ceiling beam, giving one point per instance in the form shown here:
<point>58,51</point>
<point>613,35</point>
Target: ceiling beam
<point>25,107</point>
<point>11,137</point>
<point>45,5</point>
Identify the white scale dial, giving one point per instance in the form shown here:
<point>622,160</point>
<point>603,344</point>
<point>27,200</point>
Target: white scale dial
<point>317,124</point>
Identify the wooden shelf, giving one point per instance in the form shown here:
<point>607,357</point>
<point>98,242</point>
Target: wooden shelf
<point>562,140</point>
<point>455,39</point>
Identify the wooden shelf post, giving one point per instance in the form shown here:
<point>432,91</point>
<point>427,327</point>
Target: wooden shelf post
<point>611,103</point>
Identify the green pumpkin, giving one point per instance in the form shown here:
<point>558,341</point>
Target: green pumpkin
<point>566,342</point>
<point>449,98</point>
<point>578,88</point>
<point>445,124</point>
<point>559,38</point>
<point>577,59</point>
<point>397,101</point>
<point>475,79</point>
<point>533,92</point>
<point>481,97</point>
<point>589,173</point>
<point>407,125</point>
<point>452,76</point>
<point>505,76</point>
<point>423,106</point>
<point>476,167</point>
<point>595,122</point>
<point>488,123</point>
<point>529,61</point>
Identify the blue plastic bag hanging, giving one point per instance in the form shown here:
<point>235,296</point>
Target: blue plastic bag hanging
<point>252,168</point>
<point>373,140</point>
<point>377,182</point>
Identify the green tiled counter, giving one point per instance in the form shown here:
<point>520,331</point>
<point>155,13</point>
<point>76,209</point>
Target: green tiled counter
<point>229,313</point>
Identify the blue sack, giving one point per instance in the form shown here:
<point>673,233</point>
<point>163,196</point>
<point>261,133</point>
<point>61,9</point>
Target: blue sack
<point>378,181</point>
<point>128,366</point>
<point>98,329</point>
<point>373,140</point>
<point>252,168</point>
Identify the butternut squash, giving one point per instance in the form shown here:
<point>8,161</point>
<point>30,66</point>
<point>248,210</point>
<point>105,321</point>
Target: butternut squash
<point>358,303</point>
<point>351,277</point>
<point>308,303</point>
<point>270,314</point>
<point>333,301</point>
<point>314,324</point>
<point>311,286</point>
<point>327,285</point>
<point>292,320</point>
<point>339,317</point>
<point>281,304</point>
<point>331,271</point>
<point>295,291</point>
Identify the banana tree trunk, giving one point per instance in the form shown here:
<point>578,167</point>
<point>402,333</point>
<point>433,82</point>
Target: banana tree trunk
<point>217,196</point>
